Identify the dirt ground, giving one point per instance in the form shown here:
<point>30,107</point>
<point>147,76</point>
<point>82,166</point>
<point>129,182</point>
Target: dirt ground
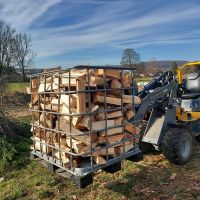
<point>153,178</point>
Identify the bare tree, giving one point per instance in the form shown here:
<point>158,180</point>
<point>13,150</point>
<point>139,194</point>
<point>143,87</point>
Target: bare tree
<point>174,67</point>
<point>130,58</point>
<point>7,43</point>
<point>24,56</point>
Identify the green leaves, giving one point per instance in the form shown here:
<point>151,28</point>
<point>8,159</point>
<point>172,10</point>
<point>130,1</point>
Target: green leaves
<point>7,153</point>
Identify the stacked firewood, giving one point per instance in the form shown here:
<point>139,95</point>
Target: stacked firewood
<point>82,113</point>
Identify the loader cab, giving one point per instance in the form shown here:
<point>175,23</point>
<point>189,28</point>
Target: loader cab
<point>189,77</point>
<point>189,81</point>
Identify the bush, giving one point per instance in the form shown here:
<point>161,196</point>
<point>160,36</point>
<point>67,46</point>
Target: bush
<point>7,153</point>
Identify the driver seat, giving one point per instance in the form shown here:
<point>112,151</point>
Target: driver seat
<point>191,86</point>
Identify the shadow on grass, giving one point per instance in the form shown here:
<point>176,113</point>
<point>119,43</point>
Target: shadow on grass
<point>154,180</point>
<point>135,185</point>
<point>15,154</point>
<point>22,144</point>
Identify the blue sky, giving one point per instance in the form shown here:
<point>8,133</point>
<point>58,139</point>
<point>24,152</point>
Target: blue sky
<point>73,32</point>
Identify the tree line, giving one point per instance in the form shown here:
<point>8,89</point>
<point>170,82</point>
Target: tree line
<point>131,59</point>
<point>15,50</point>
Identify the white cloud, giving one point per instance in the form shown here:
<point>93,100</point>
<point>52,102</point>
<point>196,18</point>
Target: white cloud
<point>115,24</point>
<point>111,29</point>
<point>22,13</point>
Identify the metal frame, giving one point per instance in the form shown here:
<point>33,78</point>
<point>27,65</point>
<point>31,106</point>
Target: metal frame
<point>88,166</point>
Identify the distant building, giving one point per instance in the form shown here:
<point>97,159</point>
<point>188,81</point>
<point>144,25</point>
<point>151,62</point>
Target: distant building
<point>141,75</point>
<point>150,75</point>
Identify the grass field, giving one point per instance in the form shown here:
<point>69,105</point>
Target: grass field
<point>17,87</point>
<point>143,79</point>
<point>152,178</point>
<point>21,86</point>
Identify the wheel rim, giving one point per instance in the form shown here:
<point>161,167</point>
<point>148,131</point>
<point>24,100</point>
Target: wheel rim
<point>185,147</point>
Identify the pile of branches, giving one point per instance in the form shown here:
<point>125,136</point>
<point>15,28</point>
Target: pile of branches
<point>6,121</point>
<point>6,124</point>
<point>15,100</point>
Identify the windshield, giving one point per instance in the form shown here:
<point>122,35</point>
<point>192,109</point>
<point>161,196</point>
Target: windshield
<point>190,69</point>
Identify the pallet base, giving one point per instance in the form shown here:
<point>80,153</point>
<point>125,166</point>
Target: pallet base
<point>80,182</point>
<point>136,158</point>
<point>85,180</point>
<point>113,168</point>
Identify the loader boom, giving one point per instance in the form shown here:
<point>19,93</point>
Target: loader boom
<point>158,99</point>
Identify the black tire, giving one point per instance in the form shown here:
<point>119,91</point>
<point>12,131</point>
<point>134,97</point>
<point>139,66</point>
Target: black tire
<point>177,145</point>
<point>198,138</point>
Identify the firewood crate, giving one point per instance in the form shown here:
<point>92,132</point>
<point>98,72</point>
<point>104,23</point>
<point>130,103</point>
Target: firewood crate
<point>83,120</point>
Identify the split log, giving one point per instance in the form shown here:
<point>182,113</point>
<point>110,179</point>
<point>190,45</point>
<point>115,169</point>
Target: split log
<point>128,145</point>
<point>45,120</point>
<point>110,115</point>
<point>113,73</point>
<point>81,97</point>
<point>110,139</point>
<point>99,125</point>
<point>84,122</point>
<point>118,121</point>
<point>87,148</point>
<point>130,114</point>
<point>35,83</point>
<point>97,81</point>
<point>99,160</point>
<point>127,80</point>
<point>33,90</point>
<point>75,133</point>
<point>49,87</point>
<point>132,129</point>
<point>112,131</point>
<point>50,107</point>
<point>118,101</point>
<point>76,145</point>
<point>103,151</point>
<point>42,145</point>
<point>115,84</point>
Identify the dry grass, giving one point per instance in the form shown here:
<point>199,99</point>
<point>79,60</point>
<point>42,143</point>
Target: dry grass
<point>152,178</point>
